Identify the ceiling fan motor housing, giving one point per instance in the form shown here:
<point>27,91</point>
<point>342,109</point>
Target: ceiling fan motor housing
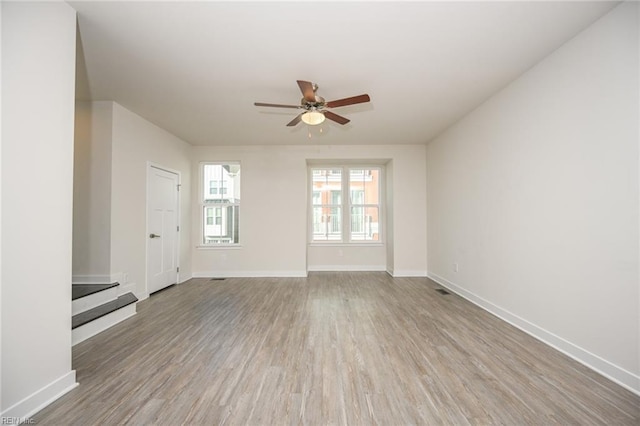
<point>311,106</point>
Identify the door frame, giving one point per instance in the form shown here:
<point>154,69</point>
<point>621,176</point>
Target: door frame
<point>150,165</point>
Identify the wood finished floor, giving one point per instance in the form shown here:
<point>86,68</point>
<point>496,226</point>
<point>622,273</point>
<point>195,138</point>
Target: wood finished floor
<point>334,348</point>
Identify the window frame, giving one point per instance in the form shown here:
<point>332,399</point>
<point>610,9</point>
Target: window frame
<point>206,186</point>
<point>346,204</point>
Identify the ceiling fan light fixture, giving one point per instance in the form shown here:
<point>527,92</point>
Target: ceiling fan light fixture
<point>312,118</point>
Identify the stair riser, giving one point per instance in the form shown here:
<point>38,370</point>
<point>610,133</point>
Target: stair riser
<point>93,300</point>
<point>98,325</point>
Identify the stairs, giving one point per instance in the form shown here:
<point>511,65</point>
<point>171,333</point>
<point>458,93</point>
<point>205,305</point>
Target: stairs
<point>97,307</point>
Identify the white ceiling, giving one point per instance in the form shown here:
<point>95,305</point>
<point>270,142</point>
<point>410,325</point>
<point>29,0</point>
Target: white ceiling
<point>195,68</point>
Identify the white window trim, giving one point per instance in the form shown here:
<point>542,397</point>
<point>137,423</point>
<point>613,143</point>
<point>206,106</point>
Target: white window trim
<point>219,246</point>
<point>346,205</point>
<point>201,188</point>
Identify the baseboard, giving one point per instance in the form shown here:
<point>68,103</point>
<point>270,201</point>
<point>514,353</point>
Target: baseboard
<point>408,273</point>
<point>92,279</point>
<point>303,274</point>
<point>41,398</point>
<point>347,268</point>
<point>601,366</point>
<point>250,274</point>
<point>182,279</point>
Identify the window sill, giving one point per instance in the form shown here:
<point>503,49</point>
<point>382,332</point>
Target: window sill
<point>351,244</point>
<point>219,247</point>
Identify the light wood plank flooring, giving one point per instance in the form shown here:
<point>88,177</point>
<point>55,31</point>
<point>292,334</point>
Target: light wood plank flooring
<point>334,348</point>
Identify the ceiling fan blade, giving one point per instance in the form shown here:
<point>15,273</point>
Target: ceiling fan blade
<point>275,105</point>
<point>349,101</point>
<point>295,120</point>
<point>335,117</point>
<point>306,87</point>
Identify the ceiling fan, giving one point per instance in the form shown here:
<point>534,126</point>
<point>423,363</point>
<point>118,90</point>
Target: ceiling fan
<point>315,107</point>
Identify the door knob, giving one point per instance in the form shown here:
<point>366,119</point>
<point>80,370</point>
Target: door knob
<point>154,236</point>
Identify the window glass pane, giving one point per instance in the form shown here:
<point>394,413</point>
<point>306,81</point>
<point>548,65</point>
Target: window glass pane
<point>224,229</point>
<point>335,223</point>
<point>327,224</point>
<point>364,224</point>
<point>211,173</point>
<point>357,196</point>
<point>336,196</point>
<point>365,181</point>
<point>209,213</point>
<point>222,183</point>
<point>319,225</point>
<point>327,186</point>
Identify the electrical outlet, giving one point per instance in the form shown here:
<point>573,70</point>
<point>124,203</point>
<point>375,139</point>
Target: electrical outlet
<point>125,277</point>
<point>455,267</point>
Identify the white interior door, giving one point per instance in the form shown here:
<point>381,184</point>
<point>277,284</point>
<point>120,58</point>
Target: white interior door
<point>162,229</point>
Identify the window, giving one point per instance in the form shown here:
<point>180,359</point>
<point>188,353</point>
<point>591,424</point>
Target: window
<point>330,211</point>
<point>220,203</point>
<point>217,187</point>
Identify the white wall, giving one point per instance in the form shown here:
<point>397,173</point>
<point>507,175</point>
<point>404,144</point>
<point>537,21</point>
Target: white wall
<point>349,257</point>
<point>92,192</point>
<point>1,215</point>
<point>38,68</point>
<point>638,151</point>
<point>389,217</point>
<point>274,212</point>
<point>409,210</point>
<point>535,195</point>
<point>111,185</point>
<point>136,142</point>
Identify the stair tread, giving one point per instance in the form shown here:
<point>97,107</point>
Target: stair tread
<point>82,290</point>
<point>99,311</point>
